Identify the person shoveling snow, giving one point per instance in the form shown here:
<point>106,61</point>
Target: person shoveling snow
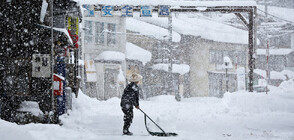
<point>129,99</point>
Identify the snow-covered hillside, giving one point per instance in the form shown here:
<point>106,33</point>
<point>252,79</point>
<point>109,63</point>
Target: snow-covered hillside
<point>239,115</point>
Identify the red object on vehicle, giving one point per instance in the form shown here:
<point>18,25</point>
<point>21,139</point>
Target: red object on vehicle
<point>58,85</point>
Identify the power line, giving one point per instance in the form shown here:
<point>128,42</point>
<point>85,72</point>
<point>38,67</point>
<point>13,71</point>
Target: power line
<point>275,16</point>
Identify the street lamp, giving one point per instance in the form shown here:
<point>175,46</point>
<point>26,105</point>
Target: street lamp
<point>227,65</point>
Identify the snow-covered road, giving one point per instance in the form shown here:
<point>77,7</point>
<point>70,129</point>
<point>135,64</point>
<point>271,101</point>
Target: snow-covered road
<point>237,116</point>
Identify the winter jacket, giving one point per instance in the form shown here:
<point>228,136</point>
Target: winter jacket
<point>130,96</point>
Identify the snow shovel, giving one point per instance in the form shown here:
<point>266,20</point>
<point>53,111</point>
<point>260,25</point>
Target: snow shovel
<point>161,134</point>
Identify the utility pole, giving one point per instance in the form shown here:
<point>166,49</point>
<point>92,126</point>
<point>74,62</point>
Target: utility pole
<point>170,45</point>
<point>267,66</point>
<point>265,8</point>
<point>54,119</point>
<point>170,68</point>
<point>266,4</point>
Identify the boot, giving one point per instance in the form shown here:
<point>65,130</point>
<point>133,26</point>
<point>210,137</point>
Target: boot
<point>127,132</point>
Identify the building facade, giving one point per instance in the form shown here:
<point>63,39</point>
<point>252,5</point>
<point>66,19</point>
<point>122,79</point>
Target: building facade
<point>104,42</point>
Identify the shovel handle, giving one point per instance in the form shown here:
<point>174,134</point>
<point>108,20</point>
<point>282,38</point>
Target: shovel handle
<point>151,120</point>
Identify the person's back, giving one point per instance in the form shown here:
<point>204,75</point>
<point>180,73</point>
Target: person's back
<point>130,96</point>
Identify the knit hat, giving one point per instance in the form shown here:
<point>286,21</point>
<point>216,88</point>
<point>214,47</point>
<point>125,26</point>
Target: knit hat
<point>135,77</point>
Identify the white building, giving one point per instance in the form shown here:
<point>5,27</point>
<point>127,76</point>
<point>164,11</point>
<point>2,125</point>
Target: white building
<point>104,45</point>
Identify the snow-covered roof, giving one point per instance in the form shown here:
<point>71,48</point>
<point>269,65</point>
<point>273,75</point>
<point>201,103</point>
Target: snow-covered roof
<point>181,68</point>
<point>274,51</point>
<point>177,68</point>
<point>64,31</point>
<point>134,52</point>
<point>150,30</point>
<point>206,29</point>
<point>111,56</point>
<point>30,106</point>
<point>170,2</point>
<point>60,30</point>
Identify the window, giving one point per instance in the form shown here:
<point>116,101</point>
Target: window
<point>111,35</point>
<point>89,32</point>
<point>237,57</point>
<point>99,34</point>
<point>216,56</point>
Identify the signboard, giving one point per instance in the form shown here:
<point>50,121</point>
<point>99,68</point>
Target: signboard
<point>146,11</point>
<point>164,11</point>
<point>127,11</point>
<point>90,10</point>
<point>90,71</point>
<point>41,66</point>
<point>73,29</point>
<point>107,11</point>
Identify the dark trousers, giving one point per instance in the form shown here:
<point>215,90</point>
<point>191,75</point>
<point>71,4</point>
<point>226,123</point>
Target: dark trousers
<point>128,118</point>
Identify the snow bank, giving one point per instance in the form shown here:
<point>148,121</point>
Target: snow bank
<point>11,131</point>
<point>134,52</point>
<point>238,115</point>
<point>252,103</point>
<point>283,75</point>
<point>287,86</point>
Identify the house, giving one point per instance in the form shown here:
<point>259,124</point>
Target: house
<point>104,46</point>
<point>203,45</point>
<point>279,60</point>
<point>137,58</point>
<point>155,39</point>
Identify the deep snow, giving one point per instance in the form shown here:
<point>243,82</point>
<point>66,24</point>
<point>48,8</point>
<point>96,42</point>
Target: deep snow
<point>239,115</point>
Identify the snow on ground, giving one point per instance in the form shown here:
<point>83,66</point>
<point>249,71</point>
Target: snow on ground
<point>236,116</point>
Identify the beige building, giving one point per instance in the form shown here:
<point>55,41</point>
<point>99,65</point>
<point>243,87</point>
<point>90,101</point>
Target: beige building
<point>207,76</point>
